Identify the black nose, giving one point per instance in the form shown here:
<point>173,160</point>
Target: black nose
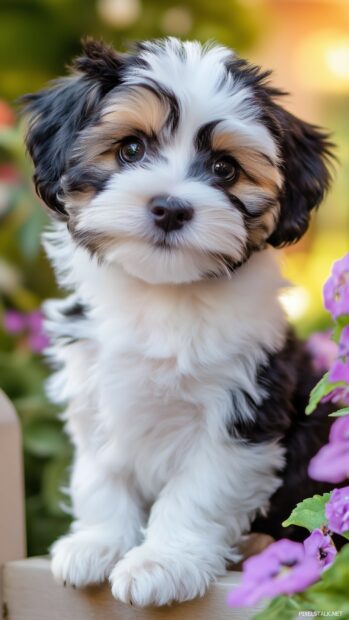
<point>170,213</point>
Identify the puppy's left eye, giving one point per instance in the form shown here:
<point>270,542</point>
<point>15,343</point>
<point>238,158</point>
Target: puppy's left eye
<point>225,168</point>
<point>131,151</point>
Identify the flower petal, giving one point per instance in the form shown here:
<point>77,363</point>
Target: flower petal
<point>331,463</point>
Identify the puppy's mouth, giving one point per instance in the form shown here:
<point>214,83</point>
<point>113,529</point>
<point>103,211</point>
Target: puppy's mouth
<point>165,244</point>
<point>173,240</point>
<point>226,264</point>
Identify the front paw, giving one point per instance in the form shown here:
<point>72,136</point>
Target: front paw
<point>81,559</point>
<point>149,576</point>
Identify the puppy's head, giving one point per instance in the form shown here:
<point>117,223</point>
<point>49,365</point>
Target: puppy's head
<point>175,160</point>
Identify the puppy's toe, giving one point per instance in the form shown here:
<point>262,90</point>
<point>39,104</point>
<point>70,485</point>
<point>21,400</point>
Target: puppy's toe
<point>147,576</point>
<point>79,560</point>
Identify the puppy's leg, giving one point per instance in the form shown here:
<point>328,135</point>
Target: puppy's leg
<point>108,523</point>
<point>199,515</point>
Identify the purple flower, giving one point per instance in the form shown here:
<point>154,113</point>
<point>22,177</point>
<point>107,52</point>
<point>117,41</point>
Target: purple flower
<point>38,342</point>
<point>337,510</point>
<point>30,325</point>
<point>282,568</point>
<point>35,321</point>
<point>340,368</point>
<point>340,430</point>
<point>336,289</point>
<point>14,322</point>
<point>338,395</point>
<point>331,463</point>
<point>322,349</point>
<point>320,546</point>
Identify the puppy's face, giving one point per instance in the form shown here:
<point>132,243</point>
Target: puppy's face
<point>174,161</point>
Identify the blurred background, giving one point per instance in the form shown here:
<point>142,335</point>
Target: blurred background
<point>305,42</point>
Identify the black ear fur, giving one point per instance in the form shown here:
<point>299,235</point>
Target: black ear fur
<point>59,112</point>
<point>100,62</point>
<point>306,154</point>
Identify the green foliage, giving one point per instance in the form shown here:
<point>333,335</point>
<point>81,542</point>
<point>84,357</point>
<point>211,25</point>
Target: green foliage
<point>26,279</point>
<point>47,452</point>
<point>340,413</point>
<point>340,323</point>
<point>39,37</point>
<point>43,438</point>
<point>280,608</point>
<point>310,513</point>
<point>322,388</point>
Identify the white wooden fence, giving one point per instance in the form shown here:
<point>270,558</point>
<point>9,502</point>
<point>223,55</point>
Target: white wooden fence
<point>27,590</point>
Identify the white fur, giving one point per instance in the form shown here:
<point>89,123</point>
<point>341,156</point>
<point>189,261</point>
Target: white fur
<point>156,476</point>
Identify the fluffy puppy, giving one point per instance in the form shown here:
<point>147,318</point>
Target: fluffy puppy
<point>172,172</point>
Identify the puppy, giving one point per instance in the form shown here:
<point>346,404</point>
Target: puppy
<point>172,173</point>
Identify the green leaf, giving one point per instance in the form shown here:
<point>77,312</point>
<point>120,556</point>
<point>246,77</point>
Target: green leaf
<point>28,234</point>
<point>45,438</point>
<point>337,332</point>
<point>54,481</point>
<point>43,529</point>
<point>320,390</point>
<point>310,513</point>
<point>282,607</point>
<point>317,393</point>
<point>339,413</point>
<point>341,322</point>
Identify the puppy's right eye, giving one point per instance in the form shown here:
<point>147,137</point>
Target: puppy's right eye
<point>131,151</point>
<point>225,168</point>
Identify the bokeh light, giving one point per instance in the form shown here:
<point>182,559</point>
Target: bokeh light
<point>119,13</point>
<point>323,61</point>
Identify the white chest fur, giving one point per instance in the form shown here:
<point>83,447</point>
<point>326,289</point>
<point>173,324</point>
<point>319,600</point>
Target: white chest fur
<point>164,362</point>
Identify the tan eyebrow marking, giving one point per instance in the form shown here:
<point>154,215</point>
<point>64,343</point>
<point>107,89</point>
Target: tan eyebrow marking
<point>257,165</point>
<point>139,108</point>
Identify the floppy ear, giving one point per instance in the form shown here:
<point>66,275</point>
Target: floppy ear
<point>306,154</point>
<point>58,113</point>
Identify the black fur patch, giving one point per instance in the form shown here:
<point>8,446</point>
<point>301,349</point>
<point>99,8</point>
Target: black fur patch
<point>306,159</point>
<point>279,378</point>
<point>57,114</point>
<point>204,136</point>
<point>83,177</point>
<point>76,310</point>
<point>288,378</point>
<point>100,63</point>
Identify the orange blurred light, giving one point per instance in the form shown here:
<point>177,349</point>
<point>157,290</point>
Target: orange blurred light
<point>337,58</point>
<point>322,61</point>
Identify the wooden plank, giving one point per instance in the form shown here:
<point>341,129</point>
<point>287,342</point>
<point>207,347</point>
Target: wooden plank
<point>31,594</point>
<point>12,524</point>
